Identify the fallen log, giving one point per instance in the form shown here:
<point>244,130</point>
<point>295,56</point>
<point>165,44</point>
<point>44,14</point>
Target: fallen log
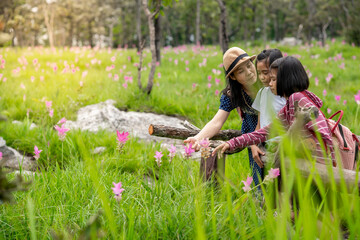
<point>182,133</point>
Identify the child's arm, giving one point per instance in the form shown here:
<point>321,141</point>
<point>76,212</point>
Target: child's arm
<point>244,140</point>
<point>255,150</point>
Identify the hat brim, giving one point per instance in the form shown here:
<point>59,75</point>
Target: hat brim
<point>243,60</point>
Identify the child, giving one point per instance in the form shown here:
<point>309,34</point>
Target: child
<point>266,103</point>
<point>292,83</point>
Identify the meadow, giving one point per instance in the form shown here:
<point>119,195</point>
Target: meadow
<point>73,186</point>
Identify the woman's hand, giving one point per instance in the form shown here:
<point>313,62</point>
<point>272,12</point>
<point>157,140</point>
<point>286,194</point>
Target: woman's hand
<point>256,152</point>
<point>194,143</point>
<point>222,148</point>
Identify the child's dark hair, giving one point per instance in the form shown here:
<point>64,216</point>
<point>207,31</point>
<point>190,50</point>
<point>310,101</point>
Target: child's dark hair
<point>269,55</point>
<point>276,63</point>
<point>291,77</point>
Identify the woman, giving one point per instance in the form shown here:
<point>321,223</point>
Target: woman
<point>241,78</point>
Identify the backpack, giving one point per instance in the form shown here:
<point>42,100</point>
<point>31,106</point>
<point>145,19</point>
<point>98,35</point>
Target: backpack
<point>345,143</point>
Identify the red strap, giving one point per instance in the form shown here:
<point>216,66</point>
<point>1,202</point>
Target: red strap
<point>338,121</point>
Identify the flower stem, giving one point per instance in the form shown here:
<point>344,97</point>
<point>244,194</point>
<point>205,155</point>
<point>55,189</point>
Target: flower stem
<point>357,111</point>
<point>62,154</point>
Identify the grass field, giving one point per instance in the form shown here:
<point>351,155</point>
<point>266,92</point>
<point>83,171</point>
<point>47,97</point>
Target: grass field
<point>73,185</point>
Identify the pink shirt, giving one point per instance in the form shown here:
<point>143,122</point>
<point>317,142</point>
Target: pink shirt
<point>287,117</point>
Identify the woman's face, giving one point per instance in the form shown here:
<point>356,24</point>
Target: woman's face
<point>245,74</point>
<point>263,72</point>
<point>273,80</point>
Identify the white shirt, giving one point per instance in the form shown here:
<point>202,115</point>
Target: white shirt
<point>268,105</point>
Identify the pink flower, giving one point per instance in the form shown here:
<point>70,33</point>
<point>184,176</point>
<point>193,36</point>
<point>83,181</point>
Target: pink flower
<point>113,59</point>
<point>22,86</point>
<point>172,151</point>
<point>37,152</point>
<point>337,98</point>
<point>194,85</point>
<point>217,92</point>
<point>217,81</point>
<point>188,150</point>
<point>32,78</point>
<point>354,57</point>
<point>159,75</point>
<point>61,131</point>
<point>247,184</point>
<point>125,85</point>
<point>55,68</point>
<point>187,69</point>
<point>158,156</point>
<point>51,113</point>
<point>316,81</point>
<point>324,92</point>
<point>344,102</point>
<point>209,85</point>
<point>48,104</point>
<point>176,62</point>
<point>204,142</point>
<point>342,66</point>
<point>81,83</point>
<point>84,73</point>
<point>328,110</point>
<point>357,98</point>
<point>186,62</point>
<point>274,173</point>
<point>117,190</point>
<point>1,155</point>
<point>122,137</point>
<point>209,77</point>
<point>329,77</point>
<point>35,61</point>
<point>63,120</point>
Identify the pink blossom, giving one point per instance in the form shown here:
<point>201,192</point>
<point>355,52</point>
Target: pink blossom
<point>247,184</point>
<point>41,78</point>
<point>55,68</point>
<point>333,40</point>
<point>209,77</point>
<point>158,156</point>
<point>316,81</point>
<point>209,85</point>
<point>217,81</point>
<point>51,113</point>
<point>186,62</point>
<point>61,121</point>
<point>204,142</point>
<point>176,62</point>
<point>354,57</point>
<point>187,69</point>
<point>84,73</point>
<point>122,137</point>
<point>159,75</point>
<point>1,155</point>
<point>342,66</point>
<point>48,104</point>
<point>125,85</point>
<point>344,102</point>
<point>188,150</point>
<point>110,75</point>
<point>343,42</point>
<point>32,78</point>
<point>337,98</point>
<point>157,63</point>
<point>329,77</point>
<point>35,61</point>
<point>274,173</point>
<point>194,85</point>
<point>328,110</point>
<point>172,151</point>
<point>4,79</point>
<point>61,131</point>
<point>217,92</point>
<point>113,59</point>
<point>37,152</point>
<point>81,83</point>
<point>324,92</point>
<point>22,86</point>
<point>357,98</point>
<point>117,190</point>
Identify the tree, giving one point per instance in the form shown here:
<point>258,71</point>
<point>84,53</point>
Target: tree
<point>223,36</point>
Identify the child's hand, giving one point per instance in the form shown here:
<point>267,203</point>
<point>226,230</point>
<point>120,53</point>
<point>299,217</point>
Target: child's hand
<point>256,152</point>
<point>223,147</point>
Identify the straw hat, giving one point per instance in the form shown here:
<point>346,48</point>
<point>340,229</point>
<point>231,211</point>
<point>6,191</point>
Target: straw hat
<point>233,57</point>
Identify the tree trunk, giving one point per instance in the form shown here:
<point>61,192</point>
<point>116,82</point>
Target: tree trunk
<point>150,17</point>
<point>264,27</point>
<point>157,26</point>
<point>197,23</point>
<point>90,37</point>
<point>224,39</point>
<point>181,133</point>
<point>49,15</point>
<point>138,25</point>
<point>111,33</point>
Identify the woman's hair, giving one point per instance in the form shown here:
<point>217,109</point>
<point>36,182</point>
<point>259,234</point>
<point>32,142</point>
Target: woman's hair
<point>291,76</point>
<point>269,55</point>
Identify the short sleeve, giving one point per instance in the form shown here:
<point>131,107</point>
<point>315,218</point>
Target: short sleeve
<point>225,104</point>
<point>256,103</point>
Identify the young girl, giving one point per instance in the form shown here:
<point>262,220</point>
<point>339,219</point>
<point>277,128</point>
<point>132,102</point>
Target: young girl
<point>266,103</point>
<point>292,83</point>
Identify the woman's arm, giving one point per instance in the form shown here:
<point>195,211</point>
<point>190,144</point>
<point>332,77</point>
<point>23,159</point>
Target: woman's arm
<point>210,129</point>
